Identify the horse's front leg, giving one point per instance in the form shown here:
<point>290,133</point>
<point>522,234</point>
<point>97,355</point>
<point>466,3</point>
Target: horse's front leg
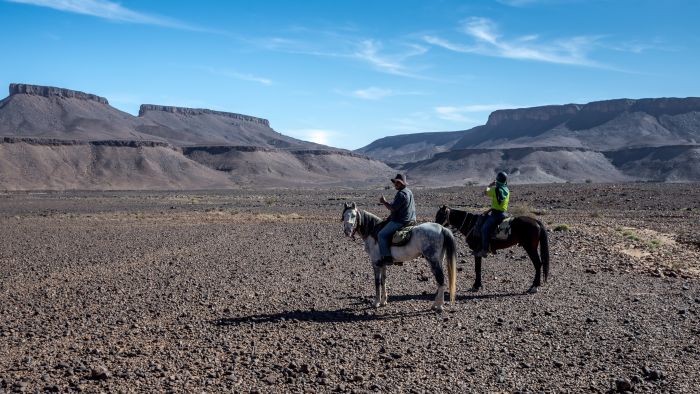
<point>377,284</point>
<point>477,275</point>
<point>384,295</point>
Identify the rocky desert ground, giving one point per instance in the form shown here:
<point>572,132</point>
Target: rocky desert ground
<point>260,291</point>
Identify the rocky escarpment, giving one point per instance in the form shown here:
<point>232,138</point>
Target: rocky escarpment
<point>290,167</point>
<point>545,114</point>
<point>581,116</point>
<point>200,111</point>
<point>211,149</point>
<point>50,164</point>
<point>50,91</point>
<point>524,165</point>
<point>60,139</point>
<point>61,142</point>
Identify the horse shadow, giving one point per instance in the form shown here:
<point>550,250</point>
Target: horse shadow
<point>350,315</point>
<point>343,315</point>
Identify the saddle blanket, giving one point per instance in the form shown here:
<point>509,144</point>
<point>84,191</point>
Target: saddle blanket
<point>402,236</point>
<point>502,232</point>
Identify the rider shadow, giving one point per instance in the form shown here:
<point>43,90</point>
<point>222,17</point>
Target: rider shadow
<point>332,316</point>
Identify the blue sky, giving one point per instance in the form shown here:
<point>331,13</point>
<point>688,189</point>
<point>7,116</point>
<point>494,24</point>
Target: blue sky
<point>345,73</point>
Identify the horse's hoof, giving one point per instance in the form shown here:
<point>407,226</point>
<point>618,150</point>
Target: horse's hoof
<point>377,305</point>
<point>533,290</point>
<point>475,289</point>
<point>383,303</point>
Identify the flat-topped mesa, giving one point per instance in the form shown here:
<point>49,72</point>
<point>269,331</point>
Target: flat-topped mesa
<point>50,91</point>
<point>200,111</point>
<point>538,114</point>
<point>605,109</point>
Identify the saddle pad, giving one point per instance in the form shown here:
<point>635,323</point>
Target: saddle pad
<point>502,233</point>
<point>402,236</point>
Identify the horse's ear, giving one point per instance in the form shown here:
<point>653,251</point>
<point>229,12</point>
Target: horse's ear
<point>346,205</point>
<point>352,205</point>
<point>444,207</point>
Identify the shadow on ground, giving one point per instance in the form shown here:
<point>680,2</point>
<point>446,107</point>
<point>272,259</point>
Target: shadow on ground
<point>347,315</point>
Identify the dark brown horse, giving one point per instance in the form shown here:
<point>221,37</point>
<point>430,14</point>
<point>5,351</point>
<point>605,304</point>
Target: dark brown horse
<point>525,231</point>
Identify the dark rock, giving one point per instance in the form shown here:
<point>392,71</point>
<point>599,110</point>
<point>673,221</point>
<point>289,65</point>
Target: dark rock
<point>623,384</point>
<point>100,373</point>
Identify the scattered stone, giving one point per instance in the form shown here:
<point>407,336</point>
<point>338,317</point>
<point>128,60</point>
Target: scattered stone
<point>100,373</point>
<point>622,385</point>
<point>653,374</point>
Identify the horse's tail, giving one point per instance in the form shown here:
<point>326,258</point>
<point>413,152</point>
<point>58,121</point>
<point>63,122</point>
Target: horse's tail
<point>544,250</point>
<point>450,250</point>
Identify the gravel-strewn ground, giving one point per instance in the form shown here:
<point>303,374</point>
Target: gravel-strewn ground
<point>260,291</point>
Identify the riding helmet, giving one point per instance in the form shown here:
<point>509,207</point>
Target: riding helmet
<point>502,177</point>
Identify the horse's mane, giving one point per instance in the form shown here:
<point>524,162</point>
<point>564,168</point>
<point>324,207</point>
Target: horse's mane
<point>368,221</point>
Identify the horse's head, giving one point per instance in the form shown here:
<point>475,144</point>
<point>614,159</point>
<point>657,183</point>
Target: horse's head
<point>442,216</point>
<point>349,218</point>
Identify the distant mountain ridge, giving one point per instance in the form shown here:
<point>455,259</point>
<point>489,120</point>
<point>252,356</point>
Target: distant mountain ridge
<point>602,126</point>
<point>55,138</point>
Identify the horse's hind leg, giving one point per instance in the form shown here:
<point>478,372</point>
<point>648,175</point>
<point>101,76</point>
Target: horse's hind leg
<point>477,275</point>
<point>382,292</point>
<point>377,285</point>
<point>436,267</point>
<point>532,252</point>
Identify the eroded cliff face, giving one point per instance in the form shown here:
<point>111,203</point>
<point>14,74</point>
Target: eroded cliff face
<point>533,114</point>
<point>581,116</point>
<point>199,111</point>
<point>50,91</point>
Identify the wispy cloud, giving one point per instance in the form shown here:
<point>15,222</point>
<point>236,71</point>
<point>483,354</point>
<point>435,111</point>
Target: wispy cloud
<point>370,51</point>
<point>487,40</point>
<point>111,11</point>
<point>375,93</point>
<point>457,113</point>
<point>237,75</point>
<point>345,45</point>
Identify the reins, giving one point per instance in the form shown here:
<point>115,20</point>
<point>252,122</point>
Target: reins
<point>464,221</point>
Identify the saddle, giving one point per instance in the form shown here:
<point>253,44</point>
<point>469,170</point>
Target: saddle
<point>401,237</point>
<point>501,232</point>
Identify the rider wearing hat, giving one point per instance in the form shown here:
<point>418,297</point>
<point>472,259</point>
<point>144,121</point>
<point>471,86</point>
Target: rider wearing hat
<point>403,211</point>
<point>499,205</point>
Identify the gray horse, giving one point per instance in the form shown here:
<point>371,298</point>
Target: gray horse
<point>430,240</point>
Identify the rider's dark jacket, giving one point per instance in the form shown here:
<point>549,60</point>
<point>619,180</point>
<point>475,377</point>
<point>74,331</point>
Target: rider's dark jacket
<point>403,207</point>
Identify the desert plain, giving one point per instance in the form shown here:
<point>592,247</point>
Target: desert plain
<point>259,290</point>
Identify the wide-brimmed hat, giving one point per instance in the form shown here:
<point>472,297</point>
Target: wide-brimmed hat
<point>399,178</point>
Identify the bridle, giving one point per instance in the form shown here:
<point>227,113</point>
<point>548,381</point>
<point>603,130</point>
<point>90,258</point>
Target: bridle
<point>358,221</point>
<point>448,212</point>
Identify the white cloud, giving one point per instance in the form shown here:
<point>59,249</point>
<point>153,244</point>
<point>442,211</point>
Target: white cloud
<point>237,75</point>
<point>111,11</point>
<point>487,40</point>
<point>341,45</point>
<point>457,114</point>
<point>371,52</point>
<point>319,136</point>
<point>374,93</point>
